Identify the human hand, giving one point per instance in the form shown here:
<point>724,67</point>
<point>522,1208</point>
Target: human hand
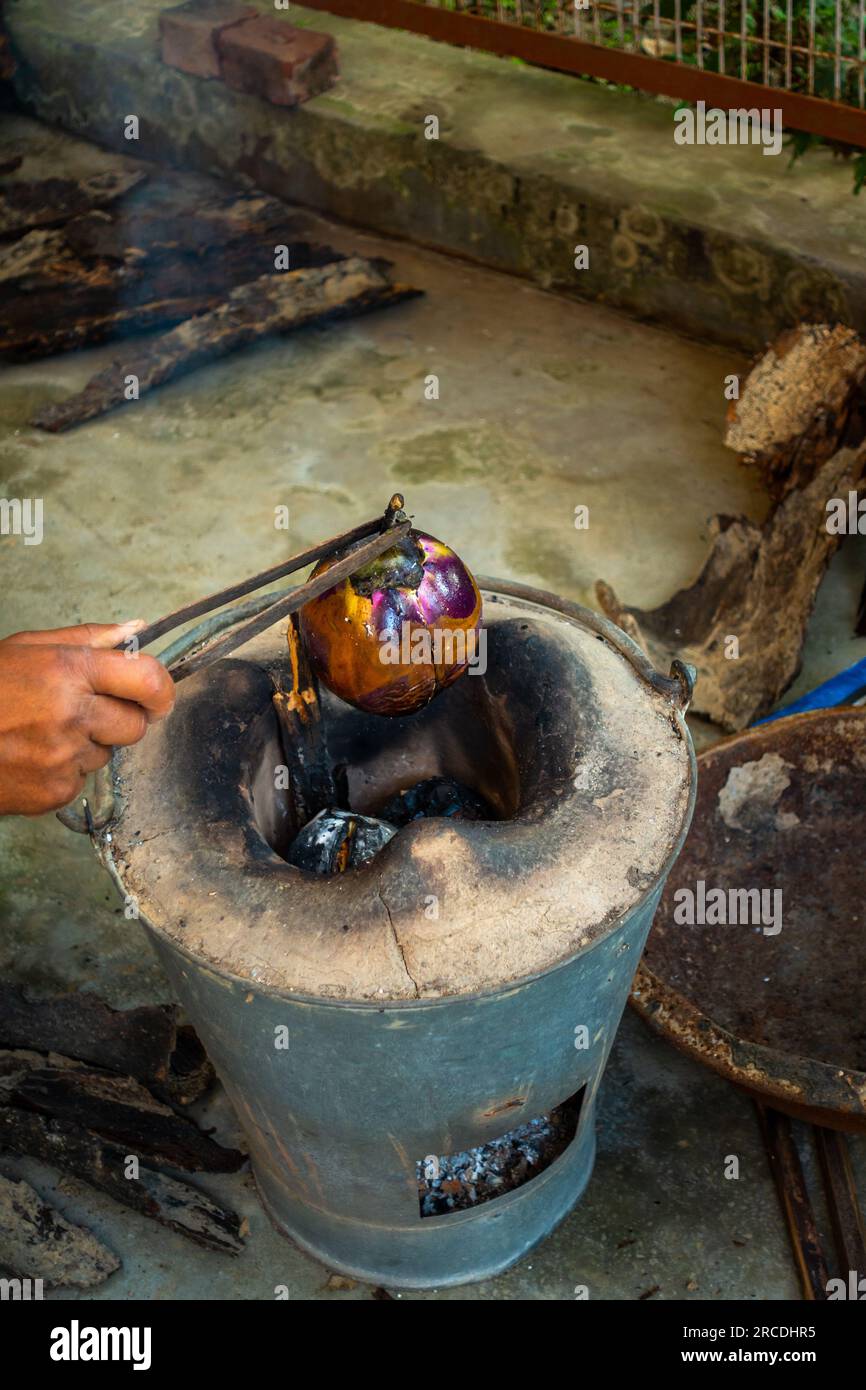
<point>65,700</point>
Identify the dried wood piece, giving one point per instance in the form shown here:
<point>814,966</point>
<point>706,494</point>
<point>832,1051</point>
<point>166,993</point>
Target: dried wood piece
<point>299,710</point>
<point>800,403</point>
<point>25,204</point>
<point>36,1242</point>
<point>171,1061</point>
<point>115,1107</point>
<point>150,261</point>
<point>36,269</point>
<point>103,1165</point>
<point>269,305</point>
<point>758,585</point>
<point>41,336</point>
<point>15,1063</point>
<point>166,220</point>
<point>137,1042</point>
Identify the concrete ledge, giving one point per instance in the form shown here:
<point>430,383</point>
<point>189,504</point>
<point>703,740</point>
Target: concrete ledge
<point>721,242</point>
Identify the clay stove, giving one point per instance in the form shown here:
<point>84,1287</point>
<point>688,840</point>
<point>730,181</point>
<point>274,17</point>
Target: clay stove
<point>463,985</point>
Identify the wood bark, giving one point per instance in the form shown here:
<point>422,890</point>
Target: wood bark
<point>104,1165</point>
<point>191,1073</point>
<point>758,586</point>
<point>801,402</point>
<point>137,1042</point>
<point>115,1107</point>
<point>37,1242</point>
<point>144,1043</point>
<point>26,204</point>
<point>800,419</point>
<point>272,304</point>
<point>81,262</point>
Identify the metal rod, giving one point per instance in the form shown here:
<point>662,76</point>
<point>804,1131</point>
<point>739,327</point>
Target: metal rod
<point>789,39</point>
<point>744,39</point>
<point>212,626</point>
<point>794,1198</point>
<point>247,586</point>
<point>290,603</point>
<point>259,612</point>
<point>843,1205</point>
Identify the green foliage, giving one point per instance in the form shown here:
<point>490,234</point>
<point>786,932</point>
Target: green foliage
<point>559,16</point>
<point>799,142</point>
<point>742,58</point>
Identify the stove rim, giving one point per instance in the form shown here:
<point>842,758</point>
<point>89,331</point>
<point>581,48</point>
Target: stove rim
<point>676,690</point>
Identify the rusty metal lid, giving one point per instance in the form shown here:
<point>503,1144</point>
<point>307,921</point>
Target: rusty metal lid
<point>767,989</point>
<point>574,739</point>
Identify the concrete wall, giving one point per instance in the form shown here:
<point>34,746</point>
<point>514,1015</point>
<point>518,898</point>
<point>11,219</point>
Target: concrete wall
<point>723,243</point>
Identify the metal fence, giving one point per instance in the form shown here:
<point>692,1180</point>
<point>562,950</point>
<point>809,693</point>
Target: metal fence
<point>805,56</point>
<point>798,45</point>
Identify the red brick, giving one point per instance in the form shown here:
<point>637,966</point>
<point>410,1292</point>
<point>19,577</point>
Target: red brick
<point>189,32</point>
<point>268,58</point>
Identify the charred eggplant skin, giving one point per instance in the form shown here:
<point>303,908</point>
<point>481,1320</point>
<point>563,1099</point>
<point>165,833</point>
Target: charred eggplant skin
<point>394,634</point>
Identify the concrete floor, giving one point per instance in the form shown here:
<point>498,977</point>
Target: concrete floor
<point>717,239</point>
<point>544,404</point>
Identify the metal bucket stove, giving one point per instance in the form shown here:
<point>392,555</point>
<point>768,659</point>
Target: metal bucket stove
<point>468,980</point>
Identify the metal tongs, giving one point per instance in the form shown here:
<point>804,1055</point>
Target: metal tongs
<point>384,531</point>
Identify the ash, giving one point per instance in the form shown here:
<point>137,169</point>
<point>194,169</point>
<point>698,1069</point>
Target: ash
<point>453,1182</point>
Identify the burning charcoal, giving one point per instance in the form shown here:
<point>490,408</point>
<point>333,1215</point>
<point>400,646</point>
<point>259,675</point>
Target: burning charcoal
<point>466,1179</point>
<point>334,841</point>
<point>437,796</point>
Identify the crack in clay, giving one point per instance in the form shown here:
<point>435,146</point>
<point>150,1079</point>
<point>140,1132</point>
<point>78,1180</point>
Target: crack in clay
<point>136,841</point>
<point>398,944</point>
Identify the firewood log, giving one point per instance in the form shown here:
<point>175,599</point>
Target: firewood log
<point>37,1242</point>
<point>105,1166</point>
<point>115,1107</point>
<point>272,304</point>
